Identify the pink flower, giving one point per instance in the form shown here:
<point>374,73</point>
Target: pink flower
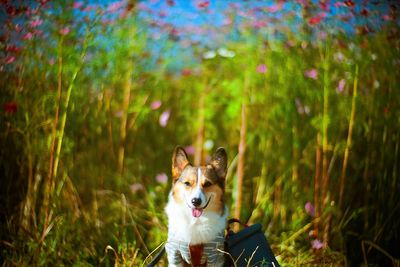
<point>341,86</point>
<point>10,59</point>
<point>275,8</point>
<point>314,20</point>
<point>186,72</point>
<point>114,7</point>
<point>387,17</point>
<point>36,22</point>
<point>162,14</point>
<point>309,209</point>
<point>136,187</point>
<point>317,244</point>
<point>203,4</point>
<point>262,68</point>
<point>64,31</point>
<point>52,61</point>
<point>155,105</point>
<point>90,8</point>
<point>259,24</point>
<point>190,150</point>
<point>27,36</point>
<point>77,5</point>
<point>311,73</point>
<point>162,178</point>
<point>164,117</point>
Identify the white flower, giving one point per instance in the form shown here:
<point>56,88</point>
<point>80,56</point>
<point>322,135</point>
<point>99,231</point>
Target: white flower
<point>208,145</point>
<point>223,52</point>
<point>209,54</point>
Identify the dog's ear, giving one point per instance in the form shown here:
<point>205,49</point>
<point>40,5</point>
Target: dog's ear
<point>179,162</point>
<point>219,162</point>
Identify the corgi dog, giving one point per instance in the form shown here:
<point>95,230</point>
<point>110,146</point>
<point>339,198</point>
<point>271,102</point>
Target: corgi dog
<point>196,211</point>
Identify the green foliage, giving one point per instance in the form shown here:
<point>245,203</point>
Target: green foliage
<point>98,214</point>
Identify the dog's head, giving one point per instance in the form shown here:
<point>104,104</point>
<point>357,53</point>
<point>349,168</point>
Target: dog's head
<point>199,188</point>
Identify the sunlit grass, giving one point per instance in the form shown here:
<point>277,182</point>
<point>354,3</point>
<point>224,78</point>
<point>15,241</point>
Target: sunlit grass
<point>90,116</point>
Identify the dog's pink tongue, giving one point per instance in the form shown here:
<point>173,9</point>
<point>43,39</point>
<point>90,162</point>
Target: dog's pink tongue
<point>197,212</point>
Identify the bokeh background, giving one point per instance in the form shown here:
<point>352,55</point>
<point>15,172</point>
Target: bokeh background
<point>304,95</point>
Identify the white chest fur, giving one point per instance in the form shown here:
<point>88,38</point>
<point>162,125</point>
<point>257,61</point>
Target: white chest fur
<point>183,226</point>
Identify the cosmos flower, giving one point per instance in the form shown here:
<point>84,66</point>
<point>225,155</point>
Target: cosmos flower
<point>261,68</point>
<point>164,117</point>
<point>36,22</point>
<point>77,5</point>
<point>136,187</point>
<point>317,244</point>
<point>115,6</point>
<point>341,86</point>
<point>311,73</point>
<point>162,178</point>
<point>309,209</point>
<point>155,104</point>
<point>190,150</point>
<point>10,59</point>
<point>64,31</point>
<point>27,36</point>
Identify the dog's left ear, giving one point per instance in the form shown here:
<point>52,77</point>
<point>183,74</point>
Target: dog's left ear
<point>219,162</point>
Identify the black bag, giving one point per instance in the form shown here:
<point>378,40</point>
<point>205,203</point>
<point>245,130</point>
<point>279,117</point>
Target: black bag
<point>248,247</point>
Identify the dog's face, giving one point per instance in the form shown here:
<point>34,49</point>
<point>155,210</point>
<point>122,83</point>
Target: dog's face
<point>199,188</point>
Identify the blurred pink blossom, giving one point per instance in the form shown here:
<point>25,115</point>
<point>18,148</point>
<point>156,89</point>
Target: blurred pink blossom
<point>64,31</point>
<point>309,209</point>
<point>317,244</point>
<point>162,178</point>
<point>162,14</point>
<point>387,17</point>
<point>27,36</point>
<point>258,24</point>
<point>52,61</point>
<point>341,86</point>
<point>203,4</point>
<point>115,6</point>
<point>36,22</point>
<point>339,4</point>
<point>186,72</point>
<point>226,21</point>
<point>136,187</point>
<point>155,104</point>
<point>311,73</point>
<point>90,7</point>
<point>275,8</point>
<point>314,20</point>
<point>190,150</point>
<point>10,59</point>
<point>77,5</point>
<point>164,117</point>
<point>261,68</point>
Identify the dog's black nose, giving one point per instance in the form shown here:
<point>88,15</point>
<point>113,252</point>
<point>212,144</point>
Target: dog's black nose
<point>196,201</point>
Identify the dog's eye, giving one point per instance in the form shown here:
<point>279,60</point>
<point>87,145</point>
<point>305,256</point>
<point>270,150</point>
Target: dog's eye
<point>187,184</point>
<point>207,184</point>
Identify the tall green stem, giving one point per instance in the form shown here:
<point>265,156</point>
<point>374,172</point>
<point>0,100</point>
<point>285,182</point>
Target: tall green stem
<point>349,140</point>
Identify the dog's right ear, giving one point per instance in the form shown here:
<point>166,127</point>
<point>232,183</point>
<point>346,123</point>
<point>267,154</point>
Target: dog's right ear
<point>179,162</point>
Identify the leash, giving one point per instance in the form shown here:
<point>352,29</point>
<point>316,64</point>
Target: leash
<point>157,257</point>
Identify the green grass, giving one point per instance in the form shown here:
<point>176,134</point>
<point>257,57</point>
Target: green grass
<point>79,188</point>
